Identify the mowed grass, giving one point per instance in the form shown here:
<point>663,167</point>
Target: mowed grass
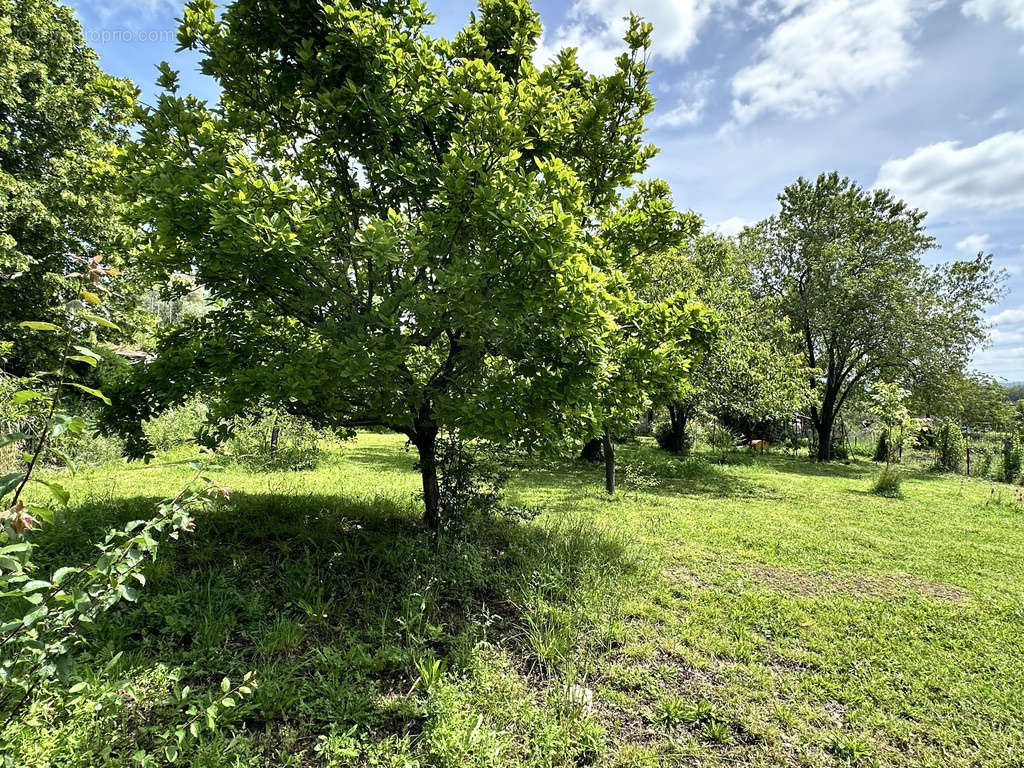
<point>760,613</point>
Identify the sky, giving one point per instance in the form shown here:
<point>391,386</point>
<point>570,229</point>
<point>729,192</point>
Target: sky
<point>923,97</point>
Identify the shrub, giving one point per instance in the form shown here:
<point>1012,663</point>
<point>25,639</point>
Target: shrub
<point>88,447</point>
<point>669,440</point>
<point>951,447</point>
<point>982,463</point>
<point>273,440</point>
<point>176,426</point>
<point>471,478</point>
<point>881,448</point>
<point>889,483</point>
<point>1013,455</point>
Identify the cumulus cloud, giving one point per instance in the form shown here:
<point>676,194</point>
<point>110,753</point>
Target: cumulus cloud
<point>945,176</point>
<point>1009,11</point>
<point>596,28</point>
<point>972,244</point>
<point>1005,356</point>
<point>689,108</point>
<point>732,226</point>
<point>824,51</point>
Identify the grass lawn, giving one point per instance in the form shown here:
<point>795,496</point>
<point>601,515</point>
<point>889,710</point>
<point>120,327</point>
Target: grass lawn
<point>763,613</point>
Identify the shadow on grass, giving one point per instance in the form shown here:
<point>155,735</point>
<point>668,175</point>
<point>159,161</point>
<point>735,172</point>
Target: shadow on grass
<point>333,600</point>
<point>669,475</point>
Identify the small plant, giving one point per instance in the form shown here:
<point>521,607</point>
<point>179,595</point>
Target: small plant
<point>549,639</point>
<point>671,711</point>
<point>849,749</point>
<point>430,671</point>
<point>717,731</point>
<point>889,483</point>
<point>471,482</point>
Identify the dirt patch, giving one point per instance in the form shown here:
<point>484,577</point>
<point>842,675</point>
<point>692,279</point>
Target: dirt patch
<point>818,583</point>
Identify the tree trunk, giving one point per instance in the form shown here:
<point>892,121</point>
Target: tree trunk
<point>425,440</point>
<point>609,462</point>
<point>275,436</point>
<point>592,450</point>
<point>678,418</point>
<point>824,427</point>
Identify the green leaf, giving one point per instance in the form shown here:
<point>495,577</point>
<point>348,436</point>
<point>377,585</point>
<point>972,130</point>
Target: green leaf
<point>91,298</point>
<point>63,422</point>
<point>61,573</point>
<point>128,593</point>
<point>25,395</point>
<point>35,325</point>
<point>9,482</point>
<point>83,359</point>
<point>56,490</point>
<point>42,513</point>
<point>31,618</point>
<point>90,391</point>
<point>225,685</point>
<point>100,321</point>
<point>86,352</point>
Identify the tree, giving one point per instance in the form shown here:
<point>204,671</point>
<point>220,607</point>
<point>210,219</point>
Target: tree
<point>845,264</point>
<point>889,406</point>
<point>392,229</point>
<point>657,340</point>
<point>64,122</point>
<point>751,368</point>
<point>974,400</point>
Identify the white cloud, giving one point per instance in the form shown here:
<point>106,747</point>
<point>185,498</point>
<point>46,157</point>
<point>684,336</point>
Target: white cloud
<point>732,226</point>
<point>1012,11</point>
<point>690,108</point>
<point>940,177</point>
<point>596,28</point>
<point>1000,114</point>
<point>1012,316</point>
<point>972,244</point>
<point>826,51</point>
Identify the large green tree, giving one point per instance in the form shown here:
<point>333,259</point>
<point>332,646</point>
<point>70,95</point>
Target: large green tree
<point>63,122</point>
<point>392,229</point>
<point>751,368</point>
<point>845,265</point>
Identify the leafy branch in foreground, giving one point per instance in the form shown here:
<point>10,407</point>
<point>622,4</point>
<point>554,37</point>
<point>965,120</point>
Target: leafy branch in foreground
<point>41,618</point>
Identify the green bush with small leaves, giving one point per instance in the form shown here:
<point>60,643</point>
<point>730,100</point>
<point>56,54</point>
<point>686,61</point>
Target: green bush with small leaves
<point>951,448</point>
<point>1013,457</point>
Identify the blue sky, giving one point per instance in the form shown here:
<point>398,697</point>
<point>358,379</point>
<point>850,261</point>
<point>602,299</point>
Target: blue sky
<point>921,96</point>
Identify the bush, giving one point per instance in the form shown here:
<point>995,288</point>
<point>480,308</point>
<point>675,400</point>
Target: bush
<point>88,447</point>
<point>177,426</point>
<point>982,463</point>
<point>881,448</point>
<point>889,483</point>
<point>272,440</point>
<point>669,441</point>
<point>951,447</point>
<point>471,478</point>
<point>1013,455</point>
